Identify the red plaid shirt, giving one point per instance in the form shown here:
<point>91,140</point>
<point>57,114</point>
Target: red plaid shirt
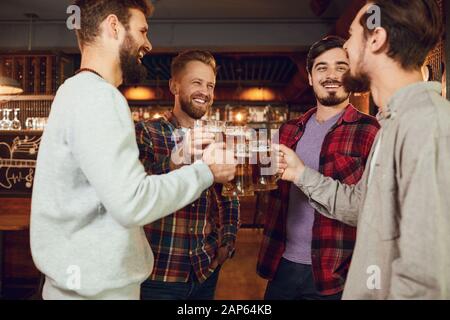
<point>189,238</point>
<point>343,156</point>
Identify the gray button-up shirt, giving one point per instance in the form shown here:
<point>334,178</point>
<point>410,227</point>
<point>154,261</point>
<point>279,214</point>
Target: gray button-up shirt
<point>403,215</point>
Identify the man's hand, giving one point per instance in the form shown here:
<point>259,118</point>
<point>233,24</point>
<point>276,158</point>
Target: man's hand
<point>221,162</point>
<point>293,166</point>
<point>191,148</point>
<point>221,256</point>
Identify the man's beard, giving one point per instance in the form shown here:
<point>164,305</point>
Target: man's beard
<point>332,99</point>
<point>358,83</point>
<point>191,110</point>
<point>132,71</point>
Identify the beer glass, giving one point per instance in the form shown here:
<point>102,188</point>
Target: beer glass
<point>238,139</point>
<point>213,126</point>
<point>217,128</point>
<point>265,176</point>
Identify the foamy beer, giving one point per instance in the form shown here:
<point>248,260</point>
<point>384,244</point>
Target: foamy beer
<point>215,127</point>
<point>265,175</point>
<point>238,139</point>
<point>212,126</point>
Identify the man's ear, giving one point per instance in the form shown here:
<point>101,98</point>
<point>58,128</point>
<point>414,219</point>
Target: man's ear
<point>310,79</point>
<point>378,40</point>
<point>173,86</point>
<point>112,26</point>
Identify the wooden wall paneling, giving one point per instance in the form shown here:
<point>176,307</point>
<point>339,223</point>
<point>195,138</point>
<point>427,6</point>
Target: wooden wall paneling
<point>14,68</point>
<point>36,65</point>
<point>24,73</point>
<point>18,262</point>
<point>49,75</point>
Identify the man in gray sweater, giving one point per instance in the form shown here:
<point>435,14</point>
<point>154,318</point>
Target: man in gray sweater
<point>92,195</point>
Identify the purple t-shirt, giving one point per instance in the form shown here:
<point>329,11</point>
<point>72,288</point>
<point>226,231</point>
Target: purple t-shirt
<point>300,216</point>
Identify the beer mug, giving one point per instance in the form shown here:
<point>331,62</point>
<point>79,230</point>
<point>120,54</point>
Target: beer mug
<point>265,176</point>
<point>238,138</point>
<point>217,128</point>
<point>213,126</point>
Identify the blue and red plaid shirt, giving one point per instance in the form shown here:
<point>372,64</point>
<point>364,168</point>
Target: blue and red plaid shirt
<point>343,157</point>
<point>189,238</point>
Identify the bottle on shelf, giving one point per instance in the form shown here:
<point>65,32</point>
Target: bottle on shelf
<point>217,114</point>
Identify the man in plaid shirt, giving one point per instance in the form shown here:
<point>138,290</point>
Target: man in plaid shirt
<point>304,254</point>
<point>190,245</point>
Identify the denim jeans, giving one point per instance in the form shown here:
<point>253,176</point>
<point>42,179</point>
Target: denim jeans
<point>191,290</point>
<point>294,281</point>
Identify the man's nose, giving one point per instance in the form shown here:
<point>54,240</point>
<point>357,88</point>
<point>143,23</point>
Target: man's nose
<point>148,46</point>
<point>332,74</point>
<point>204,89</point>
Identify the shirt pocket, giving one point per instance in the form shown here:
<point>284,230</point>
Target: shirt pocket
<point>384,216</point>
<point>347,168</point>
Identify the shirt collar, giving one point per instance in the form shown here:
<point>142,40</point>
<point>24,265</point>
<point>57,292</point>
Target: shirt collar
<point>350,115</point>
<point>170,117</point>
<point>170,120</point>
<point>403,96</point>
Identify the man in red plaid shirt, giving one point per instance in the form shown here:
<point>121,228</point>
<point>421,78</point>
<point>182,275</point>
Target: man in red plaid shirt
<point>190,245</point>
<point>305,255</point>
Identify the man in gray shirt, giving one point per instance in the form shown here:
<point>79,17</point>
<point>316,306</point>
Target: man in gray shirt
<point>401,206</point>
<point>92,195</point>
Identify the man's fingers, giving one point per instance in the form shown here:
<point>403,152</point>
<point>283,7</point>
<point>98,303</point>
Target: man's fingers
<point>227,172</point>
<point>197,152</point>
<point>283,148</point>
<point>218,145</point>
<point>282,166</point>
<point>202,133</point>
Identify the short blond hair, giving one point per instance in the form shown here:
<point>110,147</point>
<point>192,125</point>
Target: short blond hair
<point>182,59</point>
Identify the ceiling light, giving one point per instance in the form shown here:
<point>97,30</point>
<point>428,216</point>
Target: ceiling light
<point>9,86</point>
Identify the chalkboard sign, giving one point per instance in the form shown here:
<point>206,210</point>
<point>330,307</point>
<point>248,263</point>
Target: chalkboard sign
<point>18,154</point>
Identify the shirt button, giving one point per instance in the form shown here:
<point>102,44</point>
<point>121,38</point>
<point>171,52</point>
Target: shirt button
<point>193,206</point>
<point>191,230</point>
<point>190,252</point>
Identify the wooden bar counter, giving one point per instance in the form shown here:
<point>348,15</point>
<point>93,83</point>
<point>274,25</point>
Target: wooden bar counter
<point>16,264</point>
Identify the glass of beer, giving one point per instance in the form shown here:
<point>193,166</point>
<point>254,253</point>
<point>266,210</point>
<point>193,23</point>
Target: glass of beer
<point>218,129</point>
<point>238,138</point>
<point>265,176</point>
<point>212,126</point>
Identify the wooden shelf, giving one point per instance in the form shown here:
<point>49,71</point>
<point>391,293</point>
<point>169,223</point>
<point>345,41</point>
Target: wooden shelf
<point>21,132</point>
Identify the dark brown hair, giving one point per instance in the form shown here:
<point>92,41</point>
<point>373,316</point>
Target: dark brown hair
<point>93,12</point>
<point>182,59</point>
<point>322,46</point>
<point>413,27</point>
